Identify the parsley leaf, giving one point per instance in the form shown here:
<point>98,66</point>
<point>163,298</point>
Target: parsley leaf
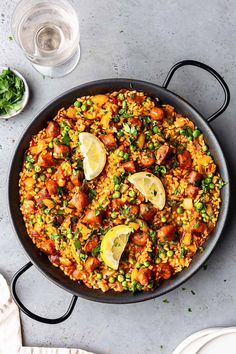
<point>12,90</point>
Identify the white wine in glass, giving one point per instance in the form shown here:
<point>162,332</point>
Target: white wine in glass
<point>48,33</point>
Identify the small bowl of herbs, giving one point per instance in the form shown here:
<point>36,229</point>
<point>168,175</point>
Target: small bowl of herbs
<point>14,92</point>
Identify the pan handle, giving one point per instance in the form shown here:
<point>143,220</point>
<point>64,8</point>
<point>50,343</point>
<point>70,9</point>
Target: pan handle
<point>28,312</point>
<point>209,70</point>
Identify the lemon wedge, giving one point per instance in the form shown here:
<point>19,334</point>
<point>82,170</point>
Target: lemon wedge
<point>113,245</point>
<point>151,187</point>
<point>94,155</point>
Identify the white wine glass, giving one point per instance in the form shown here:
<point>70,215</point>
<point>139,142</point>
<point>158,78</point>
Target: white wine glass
<point>48,33</point>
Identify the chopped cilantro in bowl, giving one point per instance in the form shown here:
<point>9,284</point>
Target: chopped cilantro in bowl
<point>13,92</point>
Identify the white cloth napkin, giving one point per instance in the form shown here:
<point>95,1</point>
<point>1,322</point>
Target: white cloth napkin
<point>10,329</point>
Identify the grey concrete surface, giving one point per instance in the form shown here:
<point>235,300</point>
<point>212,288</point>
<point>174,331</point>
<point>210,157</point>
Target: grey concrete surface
<point>135,39</point>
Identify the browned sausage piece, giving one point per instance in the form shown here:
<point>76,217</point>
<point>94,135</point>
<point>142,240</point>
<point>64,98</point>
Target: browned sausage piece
<point>45,160</point>
<point>162,154</point>
<point>42,194</point>
<point>135,121</point>
<point>133,210</point>
<point>146,212</point>
<point>129,166</point>
<point>194,178</point>
<point>91,243</point>
<point>55,259</point>
<point>157,113</point>
<point>192,191</point>
<point>75,179</point>
<point>165,270</point>
<point>198,228</point>
<point>139,238</point>
<point>60,150</point>
<point>91,264</point>
<point>48,246</point>
<point>109,140</point>
<point>52,129</point>
<point>185,160</point>
<point>144,276</point>
<point>166,233</point>
<point>51,186</point>
<point>92,219</point>
<point>80,200</point>
<point>147,161</point>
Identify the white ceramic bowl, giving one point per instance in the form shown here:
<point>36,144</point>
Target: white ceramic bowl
<point>24,100</point>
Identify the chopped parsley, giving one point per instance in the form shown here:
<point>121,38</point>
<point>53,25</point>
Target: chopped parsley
<point>12,90</point>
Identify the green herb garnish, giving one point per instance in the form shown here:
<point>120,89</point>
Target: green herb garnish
<point>12,90</point>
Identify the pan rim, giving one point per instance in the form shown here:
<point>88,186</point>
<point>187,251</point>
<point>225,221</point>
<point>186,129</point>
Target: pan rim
<point>175,281</point>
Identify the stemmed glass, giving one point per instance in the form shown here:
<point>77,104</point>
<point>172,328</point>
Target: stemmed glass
<point>48,33</point>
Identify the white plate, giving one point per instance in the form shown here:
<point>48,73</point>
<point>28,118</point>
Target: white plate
<point>193,337</point>
<point>24,100</point>
<point>225,343</point>
<point>203,341</point>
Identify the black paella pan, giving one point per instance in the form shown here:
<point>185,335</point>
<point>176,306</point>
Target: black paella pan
<point>40,260</point>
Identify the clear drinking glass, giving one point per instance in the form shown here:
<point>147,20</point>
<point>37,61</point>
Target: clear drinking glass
<point>48,33</point>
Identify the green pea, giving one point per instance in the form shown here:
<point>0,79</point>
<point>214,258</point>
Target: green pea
<point>163,219</point>
<point>128,275</point>
<point>155,129</point>
<point>37,168</point>
<point>190,138</point>
<point>137,265</point>
<point>116,195</point>
<point>80,266</point>
<point>55,140</point>
<point>170,253</point>
<point>126,156</point>
<point>35,176</point>
<point>204,148</point>
<point>124,283</point>
<point>199,206</point>
<point>50,145</point>
<point>36,190</point>
<point>207,180</point>
<point>196,133</point>
<point>47,211</point>
<point>158,260</point>
<point>139,286</point>
<point>84,107</point>
<point>122,271</point>
<point>77,104</point>
<point>157,144</point>
<point>112,280</point>
<point>146,263</point>
<point>121,97</point>
<point>211,185</point>
<point>69,235</point>
<point>148,132</point>
<point>113,215</point>
<point>99,276</point>
<point>210,175</point>
<point>121,153</point>
<point>117,187</point>
<point>162,255</point>
<point>120,278</point>
<point>151,146</point>
<point>49,170</point>
<point>89,102</point>
<point>180,210</point>
<point>132,193</point>
<point>43,178</point>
